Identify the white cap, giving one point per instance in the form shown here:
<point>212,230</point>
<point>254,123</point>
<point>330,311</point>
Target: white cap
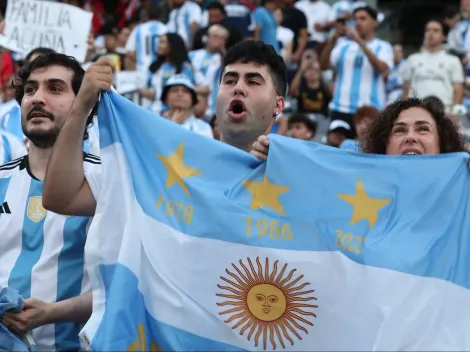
<point>338,124</point>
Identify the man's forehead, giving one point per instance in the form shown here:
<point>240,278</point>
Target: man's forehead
<point>54,72</point>
<point>242,68</point>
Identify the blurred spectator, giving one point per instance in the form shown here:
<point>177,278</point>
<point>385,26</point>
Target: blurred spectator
<point>284,37</point>
<point>465,8</point>
<point>124,11</point>
<point>313,96</point>
<point>201,107</point>
<point>295,20</point>
<point>317,13</point>
<point>338,132</point>
<point>362,62</point>
<point>7,67</point>
<point>361,119</point>
<point>434,72</point>
<point>110,46</point>
<point>143,41</point>
<point>394,85</point>
<point>239,17</point>
<point>302,127</point>
<point>184,20</point>
<point>215,128</point>
<point>172,58</point>
<point>180,97</point>
<point>207,61</point>
<point>451,16</point>
<point>96,7</point>
<point>265,23</point>
<point>344,10</point>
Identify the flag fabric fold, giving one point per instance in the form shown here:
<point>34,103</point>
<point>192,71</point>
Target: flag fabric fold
<point>198,246</point>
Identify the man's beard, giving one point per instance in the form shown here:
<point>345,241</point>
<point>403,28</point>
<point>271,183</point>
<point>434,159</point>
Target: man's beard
<point>41,138</point>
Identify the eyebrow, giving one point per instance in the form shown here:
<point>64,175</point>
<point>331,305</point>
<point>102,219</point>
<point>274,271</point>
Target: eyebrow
<point>421,122</point>
<point>49,81</point>
<point>247,75</point>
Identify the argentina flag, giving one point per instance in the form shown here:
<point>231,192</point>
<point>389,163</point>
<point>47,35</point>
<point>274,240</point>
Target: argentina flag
<point>198,246</point>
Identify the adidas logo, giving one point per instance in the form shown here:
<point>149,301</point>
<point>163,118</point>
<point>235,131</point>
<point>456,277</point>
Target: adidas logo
<point>5,209</point>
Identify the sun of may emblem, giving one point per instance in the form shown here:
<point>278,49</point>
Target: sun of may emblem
<point>266,303</point>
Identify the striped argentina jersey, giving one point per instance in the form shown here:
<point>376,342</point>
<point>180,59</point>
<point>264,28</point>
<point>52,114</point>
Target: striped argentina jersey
<point>357,82</point>
<point>10,118</point>
<point>10,147</point>
<point>42,253</point>
<point>181,18</point>
<point>144,40</point>
<point>205,64</point>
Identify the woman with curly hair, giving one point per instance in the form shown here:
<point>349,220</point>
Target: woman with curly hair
<point>410,127</point>
<point>413,126</point>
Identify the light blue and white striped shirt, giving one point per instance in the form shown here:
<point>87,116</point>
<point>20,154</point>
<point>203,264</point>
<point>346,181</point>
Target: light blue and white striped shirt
<point>206,66</point>
<point>10,119</point>
<point>144,40</point>
<point>357,82</point>
<point>10,147</point>
<point>42,253</point>
<point>181,18</point>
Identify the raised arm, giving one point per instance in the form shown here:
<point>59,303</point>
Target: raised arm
<point>66,190</point>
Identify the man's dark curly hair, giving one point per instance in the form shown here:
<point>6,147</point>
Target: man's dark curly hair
<point>44,61</point>
<point>262,54</point>
<point>450,140</point>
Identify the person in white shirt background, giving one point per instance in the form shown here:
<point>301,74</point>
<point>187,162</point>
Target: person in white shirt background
<point>317,13</point>
<point>284,36</point>
<point>362,62</point>
<point>180,97</point>
<point>394,80</point>
<point>206,63</point>
<point>143,41</point>
<point>433,72</point>
<point>184,19</point>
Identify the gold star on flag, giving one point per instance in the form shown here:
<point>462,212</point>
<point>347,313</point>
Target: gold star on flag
<point>177,169</point>
<point>364,206</point>
<point>265,193</point>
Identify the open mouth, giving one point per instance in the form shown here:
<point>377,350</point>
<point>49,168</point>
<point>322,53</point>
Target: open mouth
<point>411,152</point>
<point>36,113</point>
<point>237,109</point>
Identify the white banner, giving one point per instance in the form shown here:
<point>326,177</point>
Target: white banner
<point>30,24</point>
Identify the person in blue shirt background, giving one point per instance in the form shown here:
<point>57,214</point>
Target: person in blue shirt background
<point>265,23</point>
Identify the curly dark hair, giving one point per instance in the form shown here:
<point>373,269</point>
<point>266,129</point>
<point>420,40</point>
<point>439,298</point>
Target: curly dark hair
<point>47,60</point>
<point>450,140</point>
<point>260,53</point>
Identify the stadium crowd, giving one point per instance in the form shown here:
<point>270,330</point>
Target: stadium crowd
<point>332,85</point>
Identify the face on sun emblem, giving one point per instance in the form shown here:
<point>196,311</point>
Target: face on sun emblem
<point>265,303</point>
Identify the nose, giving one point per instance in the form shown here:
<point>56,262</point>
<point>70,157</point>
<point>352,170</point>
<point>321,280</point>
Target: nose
<point>266,303</point>
<point>240,88</point>
<point>411,137</point>
<point>39,98</point>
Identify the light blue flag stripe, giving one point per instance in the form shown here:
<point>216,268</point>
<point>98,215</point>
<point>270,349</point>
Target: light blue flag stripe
<point>117,278</point>
<point>426,197</point>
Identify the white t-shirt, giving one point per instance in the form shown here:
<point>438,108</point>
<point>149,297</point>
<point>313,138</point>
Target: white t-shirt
<point>285,36</point>
<point>433,74</point>
<point>316,12</point>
